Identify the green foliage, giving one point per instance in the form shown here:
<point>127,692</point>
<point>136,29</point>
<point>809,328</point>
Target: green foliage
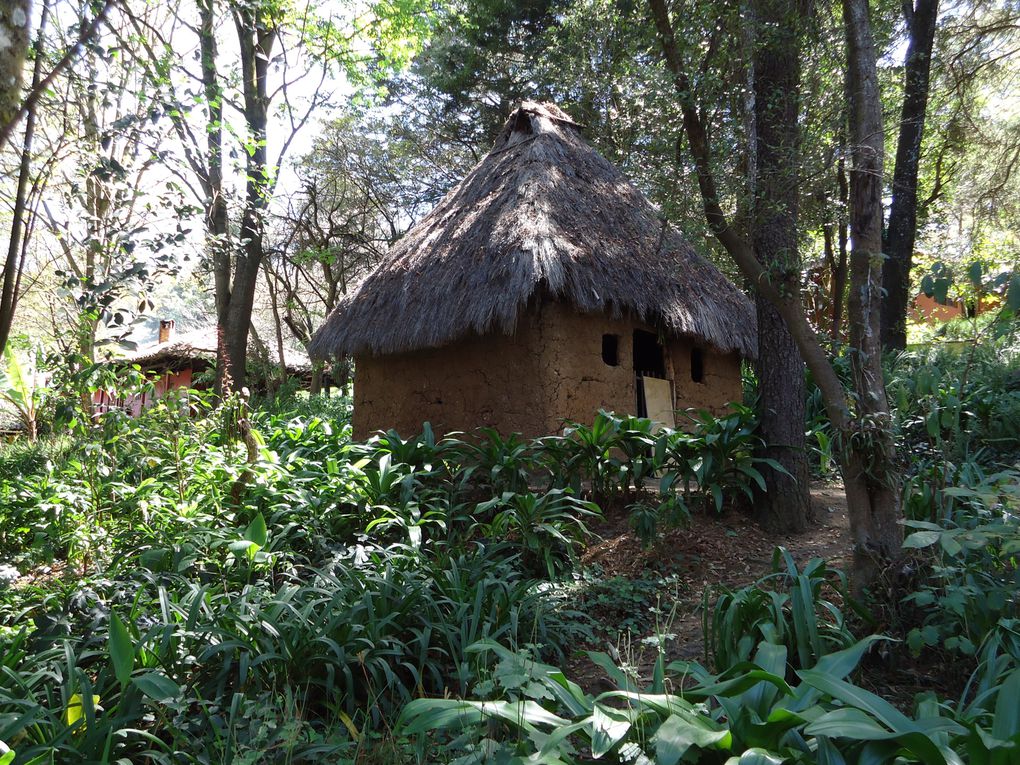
<point>791,607</point>
<point>547,528</point>
<point>209,579</point>
<point>621,457</point>
<point>956,403</point>
<point>242,584</point>
<point>21,388</point>
<point>616,607</point>
<point>970,552</point>
<point>748,714</point>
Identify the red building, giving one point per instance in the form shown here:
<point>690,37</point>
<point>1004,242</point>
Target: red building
<point>182,362</point>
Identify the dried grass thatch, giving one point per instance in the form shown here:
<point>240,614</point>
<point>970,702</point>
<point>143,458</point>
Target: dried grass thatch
<point>200,345</point>
<point>543,210</point>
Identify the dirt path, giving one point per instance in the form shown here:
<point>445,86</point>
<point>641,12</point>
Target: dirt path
<point>714,551</point>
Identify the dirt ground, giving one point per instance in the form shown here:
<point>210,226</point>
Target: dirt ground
<point>726,550</point>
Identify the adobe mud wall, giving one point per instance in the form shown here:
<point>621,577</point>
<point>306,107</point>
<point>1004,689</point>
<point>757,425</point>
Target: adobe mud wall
<point>489,381</point>
<point>549,371</point>
<point>720,384</point>
<point>579,383</point>
<point>576,380</point>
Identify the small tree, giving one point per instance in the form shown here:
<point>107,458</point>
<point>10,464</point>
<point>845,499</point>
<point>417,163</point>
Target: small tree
<point>21,387</point>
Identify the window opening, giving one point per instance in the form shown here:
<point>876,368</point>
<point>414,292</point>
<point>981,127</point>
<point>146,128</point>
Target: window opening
<point>697,365</point>
<point>611,350</point>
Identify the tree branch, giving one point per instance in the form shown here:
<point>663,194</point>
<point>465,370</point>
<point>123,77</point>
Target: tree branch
<point>84,35</point>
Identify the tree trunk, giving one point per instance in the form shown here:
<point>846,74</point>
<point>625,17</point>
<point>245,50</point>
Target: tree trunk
<point>869,458</point>
<point>868,471</point>
<point>18,242</point>
<point>14,21</point>
<point>785,505</point>
<point>829,257</point>
<point>315,386</point>
<point>839,275</point>
<point>342,369</point>
<point>216,221</point>
<point>902,229</point>
<point>255,43</point>
<point>274,304</point>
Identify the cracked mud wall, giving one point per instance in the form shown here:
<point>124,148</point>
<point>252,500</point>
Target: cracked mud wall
<point>579,383</point>
<point>549,371</point>
<point>720,384</point>
<point>476,382</point>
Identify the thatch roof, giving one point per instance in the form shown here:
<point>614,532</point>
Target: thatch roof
<point>200,345</point>
<point>543,210</point>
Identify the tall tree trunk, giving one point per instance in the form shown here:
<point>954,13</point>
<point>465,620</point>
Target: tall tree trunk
<point>865,457</point>
<point>18,243</point>
<point>315,385</point>
<point>829,259</point>
<point>785,505</point>
<point>256,44</point>
<point>215,204</point>
<point>902,229</point>
<point>839,275</point>
<point>274,304</point>
<point>869,457</point>
<point>14,21</point>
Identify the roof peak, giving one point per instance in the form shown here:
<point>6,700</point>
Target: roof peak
<point>548,214</point>
<point>532,118</point>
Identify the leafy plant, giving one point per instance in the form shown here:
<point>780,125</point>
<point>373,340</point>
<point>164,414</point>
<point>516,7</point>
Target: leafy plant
<point>22,388</point>
<point>748,714</point>
<point>791,607</point>
<point>972,581</point>
<point>547,528</point>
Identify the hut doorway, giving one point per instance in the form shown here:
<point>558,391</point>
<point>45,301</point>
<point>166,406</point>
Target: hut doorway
<point>653,390</point>
<point>648,355</point>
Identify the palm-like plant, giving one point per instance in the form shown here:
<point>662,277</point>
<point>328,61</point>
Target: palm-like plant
<point>21,386</point>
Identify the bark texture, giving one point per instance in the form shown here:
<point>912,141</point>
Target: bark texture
<point>785,506</point>
<point>865,453</point>
<point>868,453</point>
<point>839,273</point>
<point>14,20</point>
<point>787,509</point>
<point>234,304</point>
<point>218,245</point>
<point>902,228</point>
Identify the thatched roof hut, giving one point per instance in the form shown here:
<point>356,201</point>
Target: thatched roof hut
<point>183,362</point>
<point>198,347</point>
<point>542,219</point>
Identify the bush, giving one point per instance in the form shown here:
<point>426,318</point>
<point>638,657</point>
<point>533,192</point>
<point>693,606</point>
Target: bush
<point>751,713</point>
<point>971,568</point>
<point>796,608</point>
<point>957,405</point>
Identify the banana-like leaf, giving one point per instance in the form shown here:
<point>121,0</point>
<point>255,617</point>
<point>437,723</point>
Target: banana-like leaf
<point>453,714</point>
<point>609,727</point>
<point>17,386</point>
<point>679,733</point>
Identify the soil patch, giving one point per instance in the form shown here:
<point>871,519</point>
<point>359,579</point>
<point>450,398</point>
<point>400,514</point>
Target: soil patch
<point>713,551</point>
